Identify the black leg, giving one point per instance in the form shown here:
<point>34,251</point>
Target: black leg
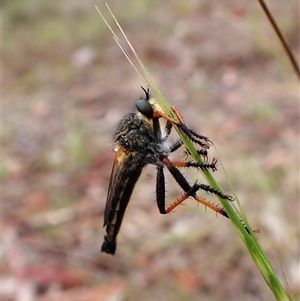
<point>180,179</point>
<point>168,129</point>
<point>156,130</point>
<point>161,190</point>
<point>175,146</point>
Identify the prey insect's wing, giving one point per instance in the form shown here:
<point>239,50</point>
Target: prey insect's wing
<point>115,170</point>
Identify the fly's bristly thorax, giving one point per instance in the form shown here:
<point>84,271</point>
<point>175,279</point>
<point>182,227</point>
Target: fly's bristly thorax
<point>133,133</point>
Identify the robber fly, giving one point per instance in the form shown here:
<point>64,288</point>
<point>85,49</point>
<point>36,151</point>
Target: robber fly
<point>139,141</point>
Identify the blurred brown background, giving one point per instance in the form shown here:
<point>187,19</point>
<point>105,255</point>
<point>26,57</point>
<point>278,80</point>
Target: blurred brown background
<point>65,87</point>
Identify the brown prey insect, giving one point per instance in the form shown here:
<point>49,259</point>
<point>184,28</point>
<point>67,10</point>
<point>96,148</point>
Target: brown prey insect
<point>139,141</point>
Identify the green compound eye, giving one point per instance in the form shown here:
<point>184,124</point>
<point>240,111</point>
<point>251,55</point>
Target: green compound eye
<point>144,107</point>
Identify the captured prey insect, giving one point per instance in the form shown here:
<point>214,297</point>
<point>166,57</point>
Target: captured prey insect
<point>139,141</point>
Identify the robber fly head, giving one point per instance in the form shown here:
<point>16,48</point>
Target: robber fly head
<point>143,105</point>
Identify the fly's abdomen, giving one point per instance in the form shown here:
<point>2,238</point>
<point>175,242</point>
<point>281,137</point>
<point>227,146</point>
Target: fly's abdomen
<point>109,245</point>
<point>118,200</point>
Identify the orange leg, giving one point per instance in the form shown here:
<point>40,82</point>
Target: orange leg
<point>187,164</point>
<point>212,206</point>
<point>157,114</point>
<point>176,112</point>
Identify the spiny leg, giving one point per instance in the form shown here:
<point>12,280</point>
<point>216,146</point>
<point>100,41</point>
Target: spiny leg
<point>192,193</point>
<point>157,131</point>
<point>184,184</point>
<point>160,185</point>
<point>189,132</point>
<point>168,128</point>
<point>161,189</point>
<point>189,192</point>
<point>187,164</point>
<point>208,204</point>
<point>180,178</point>
<point>201,140</point>
<point>176,145</point>
<point>212,190</point>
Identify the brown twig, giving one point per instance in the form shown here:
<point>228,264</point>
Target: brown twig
<point>284,43</point>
